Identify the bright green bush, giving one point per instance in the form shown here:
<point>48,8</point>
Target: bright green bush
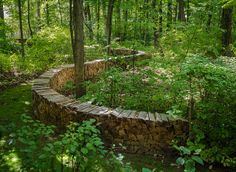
<point>49,47</point>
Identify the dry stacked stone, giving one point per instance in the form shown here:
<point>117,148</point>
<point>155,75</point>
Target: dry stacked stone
<point>139,132</point>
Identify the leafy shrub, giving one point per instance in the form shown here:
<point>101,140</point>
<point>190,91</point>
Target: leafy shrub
<point>49,47</point>
<point>79,148</point>
<point>206,93</point>
<point>134,89</point>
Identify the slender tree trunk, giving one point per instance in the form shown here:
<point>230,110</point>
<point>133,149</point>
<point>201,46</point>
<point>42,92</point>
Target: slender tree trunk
<point>188,10</point>
<point>181,14</point>
<point>88,22</point>
<point>125,14</point>
<point>60,13</point>
<point>226,26</point>
<point>98,18</point>
<point>47,13</point>
<point>160,18</point>
<point>78,48</point>
<point>71,23</point>
<point>21,29</point>
<point>118,20</point>
<point>109,24</point>
<point>2,24</point>
<point>29,21</point>
<point>169,13</point>
<point>39,13</point>
<point>155,29</point>
<point>176,12</point>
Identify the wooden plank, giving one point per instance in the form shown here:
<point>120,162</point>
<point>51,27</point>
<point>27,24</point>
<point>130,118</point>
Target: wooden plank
<point>143,115</point>
<point>163,117</point>
<point>133,114</point>
<point>158,117</point>
<point>126,113</point>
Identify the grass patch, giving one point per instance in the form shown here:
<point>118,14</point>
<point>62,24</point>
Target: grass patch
<point>13,103</point>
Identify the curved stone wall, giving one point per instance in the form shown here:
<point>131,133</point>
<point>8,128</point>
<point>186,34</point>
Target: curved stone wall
<point>140,132</point>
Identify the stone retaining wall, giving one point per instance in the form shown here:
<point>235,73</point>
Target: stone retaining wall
<point>140,132</point>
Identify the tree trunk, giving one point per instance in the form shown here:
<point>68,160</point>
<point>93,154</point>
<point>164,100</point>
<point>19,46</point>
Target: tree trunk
<point>160,17</point>
<point>39,13</point>
<point>59,10</point>
<point>181,14</point>
<point>29,21</point>
<point>125,14</point>
<point>47,13</point>
<point>188,10</point>
<point>169,13</point>
<point>88,22</point>
<point>78,48</point>
<point>71,23</point>
<point>2,25</point>
<point>155,31</point>
<point>98,18</point>
<point>21,30</point>
<point>118,20</point>
<point>109,24</point>
<point>226,26</point>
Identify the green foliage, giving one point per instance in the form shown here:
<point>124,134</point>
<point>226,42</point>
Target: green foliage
<point>212,87</point>
<point>49,47</point>
<point>79,148</point>
<point>189,156</point>
<point>32,137</point>
<point>133,89</point>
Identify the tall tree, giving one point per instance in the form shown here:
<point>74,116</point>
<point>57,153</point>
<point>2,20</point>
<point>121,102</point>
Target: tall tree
<point>47,13</point>
<point>28,18</point>
<point>2,30</point>
<point>21,29</point>
<point>39,13</point>
<point>226,26</point>
<point>78,47</point>
<point>109,24</point>
<point>181,13</point>
<point>169,13</point>
<point>160,17</point>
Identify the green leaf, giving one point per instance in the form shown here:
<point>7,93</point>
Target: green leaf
<point>185,150</point>
<point>146,170</point>
<point>198,160</point>
<point>84,151</point>
<point>189,166</point>
<point>180,161</point>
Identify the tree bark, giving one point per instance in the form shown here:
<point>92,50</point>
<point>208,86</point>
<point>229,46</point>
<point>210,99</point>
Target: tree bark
<point>181,14</point>
<point>71,23</point>
<point>78,48</point>
<point>226,26</point>
<point>88,22</point>
<point>118,20</point>
<point>2,24</point>
<point>28,18</point>
<point>155,29</point>
<point>160,17</point>
<point>21,29</point>
<point>98,18</point>
<point>169,13</point>
<point>188,10</point>
<point>47,13</point>
<point>109,24</point>
<point>39,13</point>
<point>60,12</point>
